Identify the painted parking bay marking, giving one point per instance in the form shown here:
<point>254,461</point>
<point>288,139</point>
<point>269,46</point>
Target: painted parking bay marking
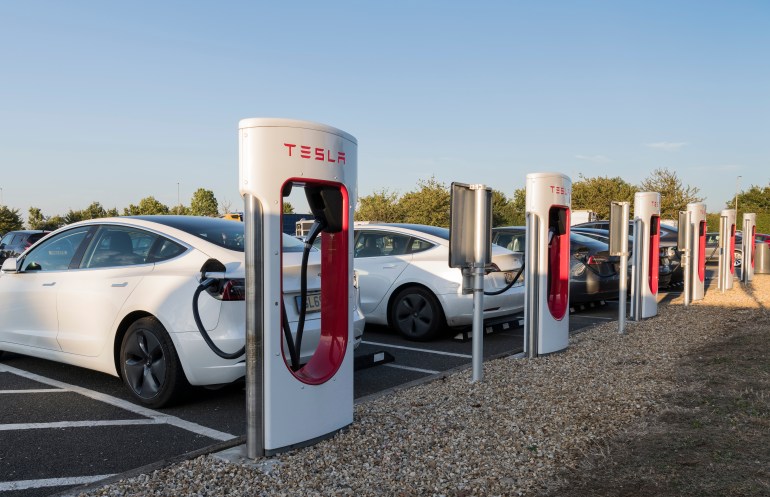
<point>123,404</point>
<point>415,349</point>
<point>50,482</point>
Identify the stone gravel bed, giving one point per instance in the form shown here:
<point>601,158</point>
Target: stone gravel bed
<point>508,435</point>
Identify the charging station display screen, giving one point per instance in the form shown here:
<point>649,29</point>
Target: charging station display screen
<point>702,251</point>
<point>654,256</point>
<point>558,261</point>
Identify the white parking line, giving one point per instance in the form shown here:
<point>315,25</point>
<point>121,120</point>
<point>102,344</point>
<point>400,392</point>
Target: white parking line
<point>79,424</point>
<point>39,390</point>
<point>427,351</point>
<point>8,486</point>
<point>123,404</point>
<point>409,368</point>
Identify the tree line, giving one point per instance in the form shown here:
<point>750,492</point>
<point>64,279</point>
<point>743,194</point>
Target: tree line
<point>202,203</point>
<point>429,204</point>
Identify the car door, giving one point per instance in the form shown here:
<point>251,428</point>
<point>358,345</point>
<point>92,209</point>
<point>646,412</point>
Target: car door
<point>28,310</point>
<point>90,297</point>
<point>379,259</point>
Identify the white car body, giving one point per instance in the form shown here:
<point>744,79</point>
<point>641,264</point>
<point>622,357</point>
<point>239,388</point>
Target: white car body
<point>78,315</point>
<point>383,275</point>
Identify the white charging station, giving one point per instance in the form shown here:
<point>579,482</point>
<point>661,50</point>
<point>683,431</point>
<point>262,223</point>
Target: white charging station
<point>546,307</point>
<point>747,245</point>
<point>289,407</point>
<point>726,271</point>
<point>697,218</point>
<point>646,256</point>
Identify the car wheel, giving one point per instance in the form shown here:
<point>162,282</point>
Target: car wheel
<point>416,314</point>
<point>149,364</point>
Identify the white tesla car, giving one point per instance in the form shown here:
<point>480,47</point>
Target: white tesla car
<point>116,295</point>
<point>406,283</point>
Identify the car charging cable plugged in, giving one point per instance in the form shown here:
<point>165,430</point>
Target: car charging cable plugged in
<point>209,278</point>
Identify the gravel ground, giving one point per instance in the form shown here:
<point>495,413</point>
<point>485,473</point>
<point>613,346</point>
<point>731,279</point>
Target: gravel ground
<point>512,434</point>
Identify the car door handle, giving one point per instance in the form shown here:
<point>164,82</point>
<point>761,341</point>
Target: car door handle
<point>49,284</point>
<point>120,285</point>
<point>389,266</point>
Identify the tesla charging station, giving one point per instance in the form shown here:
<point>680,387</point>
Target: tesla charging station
<point>291,405</point>
<point>726,249</point>
<point>646,257</point>
<point>546,306</point>
<point>747,244</point>
<point>692,243</point>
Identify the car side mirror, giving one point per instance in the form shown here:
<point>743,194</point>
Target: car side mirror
<point>9,265</point>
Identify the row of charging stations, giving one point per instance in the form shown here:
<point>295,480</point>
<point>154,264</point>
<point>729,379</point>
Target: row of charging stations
<point>291,404</point>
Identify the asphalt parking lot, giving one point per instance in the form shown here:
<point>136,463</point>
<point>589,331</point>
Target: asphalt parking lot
<point>62,426</point>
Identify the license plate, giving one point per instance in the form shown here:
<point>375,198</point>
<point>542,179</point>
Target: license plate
<point>313,302</point>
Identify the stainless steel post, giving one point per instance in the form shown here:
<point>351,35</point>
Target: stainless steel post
<point>480,248</point>
<point>255,429</point>
<point>623,283</point>
<point>531,284</point>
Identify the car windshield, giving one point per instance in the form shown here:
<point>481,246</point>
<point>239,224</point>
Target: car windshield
<point>222,232</point>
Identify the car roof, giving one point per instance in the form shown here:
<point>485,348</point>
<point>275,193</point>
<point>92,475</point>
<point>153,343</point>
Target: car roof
<point>422,228</point>
<point>27,232</point>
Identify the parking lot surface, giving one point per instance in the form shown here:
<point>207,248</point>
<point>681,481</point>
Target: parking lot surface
<point>62,426</point>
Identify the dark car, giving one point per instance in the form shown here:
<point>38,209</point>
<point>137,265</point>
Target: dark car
<point>712,248</point>
<point>664,265</point>
<point>669,239</point>
<point>16,242</point>
<point>594,274</point>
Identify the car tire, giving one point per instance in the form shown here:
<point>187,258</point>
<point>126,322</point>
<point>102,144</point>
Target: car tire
<point>149,364</point>
<point>416,314</point>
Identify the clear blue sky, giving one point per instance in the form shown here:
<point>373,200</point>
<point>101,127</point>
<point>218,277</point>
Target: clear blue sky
<point>116,101</point>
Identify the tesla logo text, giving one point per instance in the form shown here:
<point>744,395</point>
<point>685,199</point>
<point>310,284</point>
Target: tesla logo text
<point>559,190</point>
<point>317,153</point>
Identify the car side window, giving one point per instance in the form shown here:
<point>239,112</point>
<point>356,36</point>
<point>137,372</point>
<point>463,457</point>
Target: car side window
<point>417,245</point>
<point>116,246</point>
<point>164,249</point>
<point>55,254</point>
<point>368,245</point>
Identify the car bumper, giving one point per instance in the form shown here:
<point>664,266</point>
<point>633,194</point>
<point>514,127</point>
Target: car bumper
<point>458,309</point>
